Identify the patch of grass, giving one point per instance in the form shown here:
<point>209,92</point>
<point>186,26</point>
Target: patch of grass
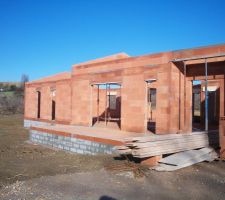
<point>8,93</point>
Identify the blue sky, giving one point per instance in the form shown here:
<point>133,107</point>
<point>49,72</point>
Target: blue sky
<point>43,37</point>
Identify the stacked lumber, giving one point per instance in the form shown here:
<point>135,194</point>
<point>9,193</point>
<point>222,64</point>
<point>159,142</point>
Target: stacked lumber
<point>154,145</point>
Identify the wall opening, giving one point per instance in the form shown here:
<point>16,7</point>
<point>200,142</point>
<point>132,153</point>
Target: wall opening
<point>151,105</point>
<point>39,104</point>
<point>53,109</point>
<point>106,105</point>
<point>198,105</point>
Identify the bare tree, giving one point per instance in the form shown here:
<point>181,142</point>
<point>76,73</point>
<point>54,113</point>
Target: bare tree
<point>24,79</point>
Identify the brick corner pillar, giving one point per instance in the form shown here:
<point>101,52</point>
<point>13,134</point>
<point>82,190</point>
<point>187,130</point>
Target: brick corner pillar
<point>133,103</point>
<point>163,101</point>
<point>180,112</point>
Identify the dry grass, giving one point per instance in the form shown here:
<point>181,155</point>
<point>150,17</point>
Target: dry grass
<point>20,160</point>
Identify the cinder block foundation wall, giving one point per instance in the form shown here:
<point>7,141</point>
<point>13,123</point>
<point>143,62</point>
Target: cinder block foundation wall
<point>70,144</point>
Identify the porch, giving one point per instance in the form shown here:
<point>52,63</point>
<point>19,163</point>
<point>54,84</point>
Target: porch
<point>95,140</point>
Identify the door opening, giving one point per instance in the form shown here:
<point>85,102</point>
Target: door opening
<point>151,105</point>
<point>53,110</point>
<point>106,109</point>
<point>198,105</point>
<point>39,105</point>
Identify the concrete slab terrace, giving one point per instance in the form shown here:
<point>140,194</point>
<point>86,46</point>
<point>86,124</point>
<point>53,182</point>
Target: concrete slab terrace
<point>79,139</point>
<point>102,135</point>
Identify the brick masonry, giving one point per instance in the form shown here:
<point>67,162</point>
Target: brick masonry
<point>70,144</point>
<point>74,94</point>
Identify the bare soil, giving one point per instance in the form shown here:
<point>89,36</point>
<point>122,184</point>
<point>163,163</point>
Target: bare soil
<point>29,171</point>
<point>20,160</point>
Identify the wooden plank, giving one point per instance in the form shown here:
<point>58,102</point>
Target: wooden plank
<point>125,151</point>
<point>181,157</point>
<point>162,137</point>
<point>165,146</point>
<point>181,138</point>
<point>195,160</point>
<point>121,147</point>
<point>161,152</point>
<point>178,140</point>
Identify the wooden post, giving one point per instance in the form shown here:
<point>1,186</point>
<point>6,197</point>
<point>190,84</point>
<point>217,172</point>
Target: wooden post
<point>185,74</point>
<point>120,105</point>
<point>106,103</point>
<point>91,102</point>
<point>179,110</point>
<point>206,95</point>
<point>146,108</point>
<point>98,105</point>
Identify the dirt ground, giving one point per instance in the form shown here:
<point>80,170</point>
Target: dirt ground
<point>20,160</point>
<point>30,171</point>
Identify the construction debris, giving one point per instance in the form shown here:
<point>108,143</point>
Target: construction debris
<point>185,159</point>
<point>137,169</point>
<point>154,145</point>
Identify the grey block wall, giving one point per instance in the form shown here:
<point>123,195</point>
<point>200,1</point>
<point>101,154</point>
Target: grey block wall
<point>71,144</point>
<point>29,123</point>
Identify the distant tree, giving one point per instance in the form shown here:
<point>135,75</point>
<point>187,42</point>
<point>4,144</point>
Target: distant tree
<point>12,87</point>
<point>24,79</point>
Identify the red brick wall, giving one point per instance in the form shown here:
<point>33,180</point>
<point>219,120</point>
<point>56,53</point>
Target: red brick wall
<point>133,103</point>
<point>81,102</point>
<point>63,101</point>
<point>30,102</point>
<point>163,100</point>
<point>75,97</point>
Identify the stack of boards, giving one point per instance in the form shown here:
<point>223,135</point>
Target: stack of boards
<point>154,145</point>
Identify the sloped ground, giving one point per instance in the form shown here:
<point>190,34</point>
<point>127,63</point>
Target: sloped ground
<point>34,172</point>
<point>20,160</point>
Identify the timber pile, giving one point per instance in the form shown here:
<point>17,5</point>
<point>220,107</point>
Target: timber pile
<point>154,145</point>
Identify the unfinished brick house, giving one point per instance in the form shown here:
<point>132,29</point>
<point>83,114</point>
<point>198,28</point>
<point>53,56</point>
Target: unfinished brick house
<point>107,99</point>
